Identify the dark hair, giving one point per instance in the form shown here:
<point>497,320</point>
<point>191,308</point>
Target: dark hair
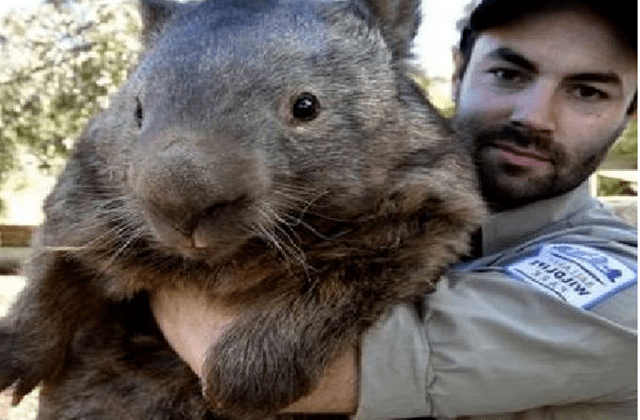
<point>622,14</point>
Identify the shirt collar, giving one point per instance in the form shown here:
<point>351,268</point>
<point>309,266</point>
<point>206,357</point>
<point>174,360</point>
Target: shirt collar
<point>509,227</point>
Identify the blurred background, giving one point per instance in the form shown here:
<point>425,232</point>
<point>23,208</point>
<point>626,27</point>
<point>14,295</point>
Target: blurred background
<point>62,59</point>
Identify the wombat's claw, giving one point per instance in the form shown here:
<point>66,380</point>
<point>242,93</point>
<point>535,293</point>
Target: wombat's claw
<point>24,383</point>
<point>9,371</point>
<point>22,388</point>
<point>12,370</point>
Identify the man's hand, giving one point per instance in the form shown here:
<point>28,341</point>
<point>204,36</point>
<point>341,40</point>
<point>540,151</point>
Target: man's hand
<point>192,323</point>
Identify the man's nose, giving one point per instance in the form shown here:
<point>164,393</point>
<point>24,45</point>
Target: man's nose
<point>535,108</point>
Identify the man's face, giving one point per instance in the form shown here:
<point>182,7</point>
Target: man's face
<point>543,99</point>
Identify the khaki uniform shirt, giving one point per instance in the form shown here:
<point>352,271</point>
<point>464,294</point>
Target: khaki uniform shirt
<point>542,326</point>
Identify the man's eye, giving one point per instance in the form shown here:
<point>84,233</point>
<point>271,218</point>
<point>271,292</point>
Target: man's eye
<point>506,75</point>
<point>588,92</point>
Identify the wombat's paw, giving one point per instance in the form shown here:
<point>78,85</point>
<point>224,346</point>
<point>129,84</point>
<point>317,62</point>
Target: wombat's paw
<point>9,371</point>
<point>15,370</point>
<point>253,378</point>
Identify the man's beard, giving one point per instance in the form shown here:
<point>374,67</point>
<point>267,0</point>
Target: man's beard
<point>506,185</point>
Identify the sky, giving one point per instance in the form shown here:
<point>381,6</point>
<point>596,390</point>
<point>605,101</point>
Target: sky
<point>11,4</point>
<point>437,35</point>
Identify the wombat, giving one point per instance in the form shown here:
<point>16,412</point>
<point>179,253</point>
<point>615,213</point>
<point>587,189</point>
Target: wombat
<point>273,153</point>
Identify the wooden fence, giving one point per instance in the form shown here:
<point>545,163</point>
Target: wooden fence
<point>14,247</point>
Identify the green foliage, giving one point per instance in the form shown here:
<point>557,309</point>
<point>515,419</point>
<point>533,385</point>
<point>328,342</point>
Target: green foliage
<point>627,144</point>
<point>430,86</point>
<point>59,67</point>
<point>615,187</point>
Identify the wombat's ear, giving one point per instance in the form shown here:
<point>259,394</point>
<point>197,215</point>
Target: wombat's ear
<point>155,14</point>
<point>399,21</point>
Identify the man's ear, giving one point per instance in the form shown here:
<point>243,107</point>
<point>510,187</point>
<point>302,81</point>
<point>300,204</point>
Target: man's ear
<point>458,70</point>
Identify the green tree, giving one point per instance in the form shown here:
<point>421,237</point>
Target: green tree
<point>60,63</point>
<point>627,144</point>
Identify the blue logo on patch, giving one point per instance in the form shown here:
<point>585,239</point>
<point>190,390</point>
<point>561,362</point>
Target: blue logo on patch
<point>598,260</point>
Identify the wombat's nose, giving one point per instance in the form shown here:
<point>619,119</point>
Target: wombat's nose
<point>191,186</point>
<point>220,227</point>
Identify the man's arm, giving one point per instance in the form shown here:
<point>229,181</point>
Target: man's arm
<point>488,344</point>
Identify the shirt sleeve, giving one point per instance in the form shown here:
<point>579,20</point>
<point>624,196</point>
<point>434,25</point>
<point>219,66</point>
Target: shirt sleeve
<point>490,344</point>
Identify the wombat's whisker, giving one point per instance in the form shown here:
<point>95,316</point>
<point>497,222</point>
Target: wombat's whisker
<point>300,222</point>
<point>326,217</point>
<point>105,238</point>
<point>285,244</point>
<point>63,248</point>
<point>272,239</point>
<point>124,228</point>
<point>113,203</point>
<point>299,194</point>
<point>296,188</point>
<point>294,248</point>
<point>295,221</point>
<point>120,251</point>
<point>296,254</point>
<point>111,236</point>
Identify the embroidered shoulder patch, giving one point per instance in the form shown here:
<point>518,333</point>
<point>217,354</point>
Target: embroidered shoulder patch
<point>579,275</point>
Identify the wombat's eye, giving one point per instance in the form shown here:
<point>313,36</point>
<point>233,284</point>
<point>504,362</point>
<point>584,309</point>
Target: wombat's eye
<point>305,107</point>
<point>138,113</point>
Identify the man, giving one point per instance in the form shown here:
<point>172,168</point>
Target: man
<point>542,324</point>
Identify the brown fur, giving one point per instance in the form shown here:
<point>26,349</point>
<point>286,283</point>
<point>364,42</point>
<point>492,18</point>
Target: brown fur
<point>202,172</point>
